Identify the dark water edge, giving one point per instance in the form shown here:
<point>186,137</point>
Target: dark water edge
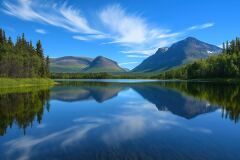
<point>122,120</point>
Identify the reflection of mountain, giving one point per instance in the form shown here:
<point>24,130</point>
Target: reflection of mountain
<point>223,95</point>
<point>22,108</point>
<point>164,99</point>
<point>175,102</point>
<point>79,93</point>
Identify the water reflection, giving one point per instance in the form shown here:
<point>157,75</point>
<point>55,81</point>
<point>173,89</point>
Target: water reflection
<point>226,96</point>
<point>22,108</point>
<point>77,91</point>
<point>184,99</point>
<point>90,120</point>
<point>187,100</point>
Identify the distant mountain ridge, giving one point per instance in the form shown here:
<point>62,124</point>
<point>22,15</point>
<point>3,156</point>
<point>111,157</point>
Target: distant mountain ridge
<point>71,64</point>
<point>179,53</point>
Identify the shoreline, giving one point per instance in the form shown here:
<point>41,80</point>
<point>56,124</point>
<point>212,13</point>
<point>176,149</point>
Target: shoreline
<point>215,80</point>
<point>6,83</point>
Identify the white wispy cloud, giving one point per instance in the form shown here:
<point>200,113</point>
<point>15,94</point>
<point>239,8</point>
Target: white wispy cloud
<point>147,52</point>
<point>202,26</point>
<point>41,31</point>
<point>59,15</point>
<point>136,56</point>
<point>81,38</point>
<point>132,31</point>
<point>127,28</point>
<point>126,63</point>
<point>90,37</point>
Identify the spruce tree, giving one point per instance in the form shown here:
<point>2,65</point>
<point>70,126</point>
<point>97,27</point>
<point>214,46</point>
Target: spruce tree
<point>227,47</point>
<point>224,49</point>
<point>47,66</point>
<point>1,37</point>
<point>39,51</point>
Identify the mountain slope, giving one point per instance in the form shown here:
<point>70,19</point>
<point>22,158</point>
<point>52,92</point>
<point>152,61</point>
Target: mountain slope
<point>102,64</point>
<point>179,53</point>
<point>70,64</point>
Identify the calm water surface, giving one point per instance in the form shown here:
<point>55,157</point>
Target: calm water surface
<point>121,120</point>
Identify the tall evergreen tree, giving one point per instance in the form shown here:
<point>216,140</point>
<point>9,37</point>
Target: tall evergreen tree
<point>39,51</point>
<point>224,49</point>
<point>47,66</point>
<point>21,59</point>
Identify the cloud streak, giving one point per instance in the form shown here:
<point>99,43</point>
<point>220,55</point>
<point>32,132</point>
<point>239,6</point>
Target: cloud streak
<point>117,26</point>
<point>202,26</point>
<point>126,63</point>
<point>62,16</point>
<point>41,31</point>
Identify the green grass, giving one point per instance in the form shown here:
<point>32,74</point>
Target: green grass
<point>24,82</point>
<point>24,89</point>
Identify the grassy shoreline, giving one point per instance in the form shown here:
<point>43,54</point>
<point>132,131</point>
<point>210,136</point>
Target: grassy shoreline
<point>25,82</point>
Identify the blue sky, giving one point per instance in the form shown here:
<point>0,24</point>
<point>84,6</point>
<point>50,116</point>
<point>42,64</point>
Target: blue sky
<point>126,31</point>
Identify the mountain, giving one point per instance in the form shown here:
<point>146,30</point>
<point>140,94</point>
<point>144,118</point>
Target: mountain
<point>70,64</point>
<point>102,64</point>
<point>179,53</point>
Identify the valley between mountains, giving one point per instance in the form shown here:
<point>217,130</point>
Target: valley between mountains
<point>182,52</point>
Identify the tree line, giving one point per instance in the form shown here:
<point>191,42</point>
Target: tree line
<point>21,59</point>
<point>100,75</point>
<point>224,65</point>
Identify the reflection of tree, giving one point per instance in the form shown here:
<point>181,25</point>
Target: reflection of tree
<point>22,108</point>
<point>224,95</point>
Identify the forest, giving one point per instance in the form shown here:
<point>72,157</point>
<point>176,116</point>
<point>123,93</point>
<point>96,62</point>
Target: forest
<point>100,75</point>
<point>224,65</point>
<point>22,59</point>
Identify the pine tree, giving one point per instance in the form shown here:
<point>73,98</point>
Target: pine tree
<point>232,47</point>
<point>10,42</point>
<point>39,51</point>
<point>1,37</point>
<point>224,49</point>
<point>227,47</point>
<point>47,66</point>
<point>237,45</point>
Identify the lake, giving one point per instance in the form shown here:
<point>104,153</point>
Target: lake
<point>121,120</point>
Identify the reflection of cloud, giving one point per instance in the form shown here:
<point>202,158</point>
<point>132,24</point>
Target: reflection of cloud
<point>26,144</point>
<point>135,120</point>
<point>128,127</point>
<point>89,120</point>
<point>41,126</point>
<point>200,130</point>
<point>78,134</point>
